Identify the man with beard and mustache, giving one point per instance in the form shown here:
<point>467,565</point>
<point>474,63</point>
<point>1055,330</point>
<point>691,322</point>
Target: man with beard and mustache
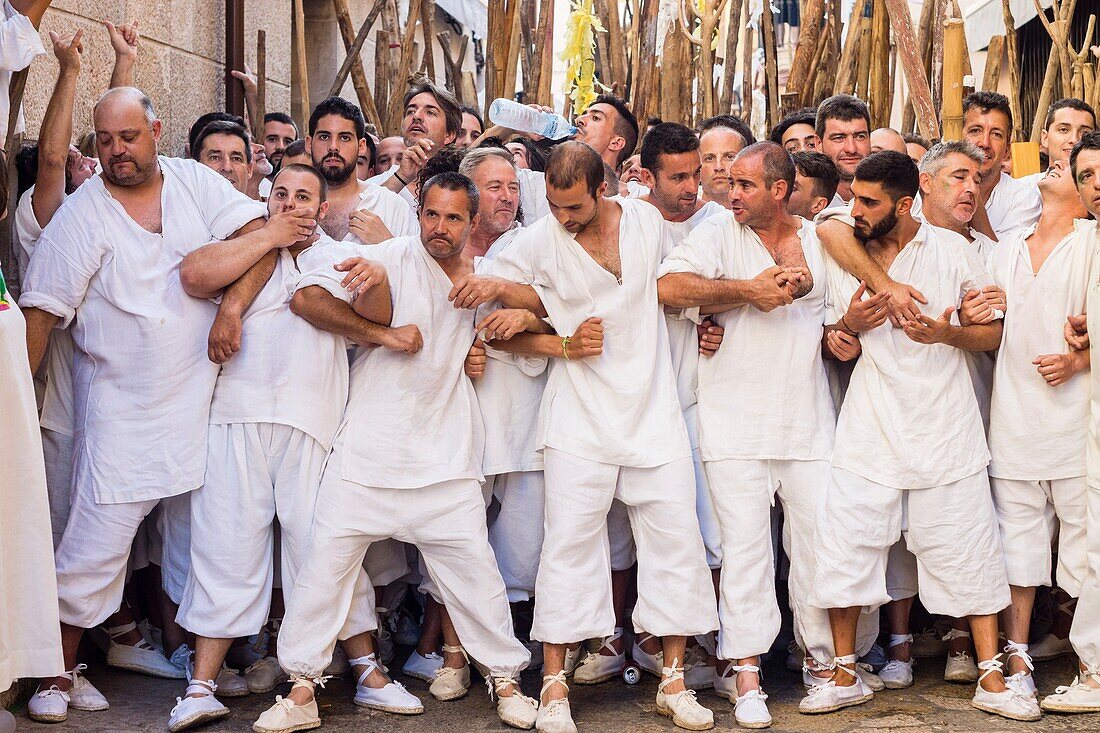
<point>140,362</point>
<point>406,465</point>
<point>359,211</point>
<point>904,463</point>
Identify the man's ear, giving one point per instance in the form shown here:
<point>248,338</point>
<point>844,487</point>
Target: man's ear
<point>819,204</point>
<point>648,179</point>
<point>904,205</point>
<point>322,210</point>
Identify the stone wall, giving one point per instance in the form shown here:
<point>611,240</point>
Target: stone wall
<point>180,65</point>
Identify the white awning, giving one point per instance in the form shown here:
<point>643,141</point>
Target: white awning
<point>985,18</point>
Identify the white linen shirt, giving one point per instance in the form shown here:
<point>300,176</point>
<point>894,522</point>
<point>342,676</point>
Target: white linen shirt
<point>287,371</point>
<point>1038,432</point>
<point>142,381</point>
<point>19,45</point>
<point>1092,306</point>
<point>764,394</point>
<point>387,206</point>
<point>509,393</point>
<point>910,419</point>
<point>619,407</point>
<point>413,421</point>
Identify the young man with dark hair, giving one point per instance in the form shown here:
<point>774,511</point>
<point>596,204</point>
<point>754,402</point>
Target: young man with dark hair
<point>915,145</point>
<point>198,125</point>
<point>471,129</point>
<point>280,130</point>
<point>815,182</point>
<point>843,125</point>
<point>936,477</point>
<point>432,119</point>
<point>797,132</point>
<point>226,148</point>
<point>1067,121</point>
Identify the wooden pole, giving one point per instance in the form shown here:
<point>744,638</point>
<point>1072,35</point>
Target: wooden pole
<point>546,9</point>
<point>809,38</point>
<point>920,95</point>
<point>863,67</point>
<point>508,85</point>
<point>994,55</point>
<point>353,63</point>
<point>261,86</point>
<point>1013,71</point>
<point>642,93</point>
<point>1046,96</point>
<point>806,96</point>
<point>382,74</point>
<point>546,70</point>
<point>616,49</point>
<point>729,60</point>
<point>879,80</point>
<point>400,78</point>
<point>846,64</point>
<point>746,74</point>
<point>494,61</point>
<point>952,79</point>
<point>300,65</point>
<point>1079,63</point>
<point>771,69</point>
<point>427,28</point>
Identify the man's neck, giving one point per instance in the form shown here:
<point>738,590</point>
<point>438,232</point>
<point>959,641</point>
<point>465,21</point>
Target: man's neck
<point>145,188</point>
<point>457,265</point>
<point>939,219</point>
<point>776,228</point>
<point>888,245</point>
<point>722,200</point>
<point>480,241</point>
<point>670,215</point>
<point>1054,224</point>
<point>345,191</point>
<point>844,188</point>
<point>989,182</point>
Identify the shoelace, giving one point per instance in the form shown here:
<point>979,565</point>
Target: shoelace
<point>1016,649</point>
<point>848,664</point>
<point>207,687</point>
<point>674,673</point>
<point>756,691</point>
<point>72,675</point>
<point>496,684</point>
<point>370,662</point>
<point>995,664</point>
<point>55,690</point>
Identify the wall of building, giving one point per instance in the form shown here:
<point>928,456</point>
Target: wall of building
<point>180,65</point>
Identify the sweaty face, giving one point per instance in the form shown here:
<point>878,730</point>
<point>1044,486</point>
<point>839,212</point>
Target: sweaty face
<point>751,200</point>
<point>277,135</point>
<point>597,127</point>
<point>296,190</point>
<point>873,211</point>
<point>424,118</point>
<point>989,131</point>
<point>675,183</point>
<point>225,154</point>
<point>802,200</point>
<point>800,137</point>
<point>1065,130</point>
<point>470,131</point>
<point>498,189</point>
<point>1057,186</point>
<point>126,142</point>
<point>953,191</point>
<point>574,207</point>
<point>1088,180</point>
<point>717,148</point>
<point>335,148</point>
<point>847,142</point>
<point>445,222</point>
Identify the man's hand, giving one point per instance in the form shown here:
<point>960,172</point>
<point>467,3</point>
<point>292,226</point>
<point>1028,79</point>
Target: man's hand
<point>414,158</point>
<point>247,80</point>
<point>368,227</point>
<point>1057,369</point>
<point>289,227</point>
<point>864,315</point>
<point>362,275</point>
<point>474,366</point>
<point>982,306</point>
<point>926,330</point>
<point>225,337</point>
<point>710,337</point>
<point>903,302</point>
<point>124,39</point>
<point>406,339</point>
<point>773,288</point>
<point>801,278</point>
<point>1077,332</point>
<point>67,49</point>
<point>842,345</point>
<point>505,323</point>
<point>472,291</point>
<point>587,340</point>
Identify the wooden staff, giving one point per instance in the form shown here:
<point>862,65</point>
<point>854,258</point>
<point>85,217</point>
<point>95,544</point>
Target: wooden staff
<point>746,74</point>
<point>546,10</point>
<point>937,52</point>
<point>826,71</point>
<point>494,61</point>
<point>913,68</point>
<point>993,56</point>
<point>11,144</point>
<point>427,29</point>
<point>675,99</point>
<point>1058,30</point>
<point>404,66</point>
<point>708,19</point>
<point>810,38</point>
<point>643,91</point>
<point>353,63</point>
<point>729,61</point>
<point>806,96</point>
<point>300,65</point>
<point>1013,71</point>
<point>508,89</point>
<point>863,67</point>
<point>615,47</point>
<point>952,79</point>
<point>924,44</point>
<point>452,64</point>
<point>382,41</point>
<point>256,106</point>
<point>546,54</point>
<point>879,72</point>
<point>847,63</point>
<point>1058,64</point>
<point>1079,64</point>
<point>771,69</point>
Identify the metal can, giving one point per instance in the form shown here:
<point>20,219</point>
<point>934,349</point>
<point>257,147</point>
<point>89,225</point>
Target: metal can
<point>631,673</point>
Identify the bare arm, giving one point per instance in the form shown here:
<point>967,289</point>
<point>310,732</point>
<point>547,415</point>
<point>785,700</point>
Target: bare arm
<point>688,290</point>
<point>39,325</point>
<point>33,9</point>
<point>57,130</point>
<point>531,344</point>
<point>213,267</point>
<point>984,337</point>
<point>124,40</point>
<point>472,291</point>
<point>225,333</point>
<point>375,303</point>
<point>329,313</point>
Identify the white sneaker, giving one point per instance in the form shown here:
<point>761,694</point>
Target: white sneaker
<point>1050,647</point>
<point>652,663</point>
<point>1009,703</point>
<point>601,665</point>
<point>960,668</point>
<point>422,666</point>
<point>286,717</point>
<point>828,696</point>
<point>1076,698</point>
<point>751,711</point>
<point>264,675</point>
<point>682,707</point>
<point>516,710</point>
<point>391,698</point>
<point>897,675</point>
<point>190,711</point>
<point>555,716</point>
<point>698,669</point>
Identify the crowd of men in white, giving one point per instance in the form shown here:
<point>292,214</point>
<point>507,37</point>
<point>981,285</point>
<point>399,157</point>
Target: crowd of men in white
<point>626,372</point>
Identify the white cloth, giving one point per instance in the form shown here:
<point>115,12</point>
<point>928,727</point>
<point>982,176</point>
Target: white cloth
<point>1031,514</point>
<point>141,364</point>
<point>774,358</point>
<point>264,189</point>
<point>516,533</point>
<point>1050,442</point>
<point>889,431</point>
<point>1085,632</point>
<point>532,195</point>
<point>446,521</point>
<point>30,640</point>
<point>19,45</point>
<point>414,420</point>
<point>405,194</point>
<point>951,529</point>
<point>619,407</point>
<point>57,450</point>
<point>287,372</point>
<point>573,590</point>
<point>387,206</point>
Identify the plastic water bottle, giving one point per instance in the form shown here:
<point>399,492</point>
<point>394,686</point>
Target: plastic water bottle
<point>521,118</point>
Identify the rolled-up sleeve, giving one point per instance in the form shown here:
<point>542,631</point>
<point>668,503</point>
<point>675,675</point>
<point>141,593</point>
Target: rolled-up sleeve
<point>19,42</point>
<point>59,274</point>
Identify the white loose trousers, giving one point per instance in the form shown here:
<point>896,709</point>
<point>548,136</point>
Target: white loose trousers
<point>516,533</point>
<point>57,450</point>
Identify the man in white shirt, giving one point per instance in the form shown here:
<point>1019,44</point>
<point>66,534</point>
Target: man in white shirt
<point>1068,120</point>
<point>1038,463</point>
<point>610,427</point>
<point>19,45</point>
<point>903,463</point>
<point>406,464</point>
<point>225,148</point>
<point>844,128</point>
<point>1083,694</point>
<point>718,146</point>
<point>140,362</point>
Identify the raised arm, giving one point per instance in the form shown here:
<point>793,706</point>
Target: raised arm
<point>33,9</point>
<point>124,40</point>
<point>57,129</point>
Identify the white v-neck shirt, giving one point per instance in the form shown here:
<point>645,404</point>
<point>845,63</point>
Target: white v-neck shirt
<point>142,381</point>
<point>765,393</point>
<point>619,407</point>
<point>1038,432</point>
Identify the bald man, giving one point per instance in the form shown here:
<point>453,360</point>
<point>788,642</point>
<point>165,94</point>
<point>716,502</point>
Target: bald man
<point>140,363</point>
<point>885,138</point>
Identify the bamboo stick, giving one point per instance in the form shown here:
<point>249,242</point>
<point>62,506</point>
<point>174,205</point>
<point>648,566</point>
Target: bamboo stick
<point>952,79</point>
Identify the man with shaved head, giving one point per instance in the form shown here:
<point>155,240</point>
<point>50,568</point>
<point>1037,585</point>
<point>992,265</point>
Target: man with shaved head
<point>718,146</point>
<point>611,428</point>
<point>109,262</point>
<point>885,138</point>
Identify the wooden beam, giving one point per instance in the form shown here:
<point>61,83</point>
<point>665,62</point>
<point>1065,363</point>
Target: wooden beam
<point>427,28</point>
<point>300,65</point>
<point>912,66</point>
<point>747,81</point>
<point>261,86</point>
<point>993,56</point>
<point>729,61</point>
<point>1013,71</point>
<point>879,73</point>
<point>809,38</point>
<point>543,52</point>
<point>845,80</point>
<point>234,56</point>
<point>642,94</point>
<point>353,63</point>
<point>952,79</point>
<point>400,77</point>
<point>771,68</point>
